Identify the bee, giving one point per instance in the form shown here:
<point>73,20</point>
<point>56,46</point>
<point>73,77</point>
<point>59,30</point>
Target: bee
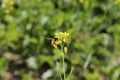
<point>53,40</point>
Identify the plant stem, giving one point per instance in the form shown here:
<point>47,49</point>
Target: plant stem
<point>58,71</point>
<point>63,61</point>
<point>63,68</point>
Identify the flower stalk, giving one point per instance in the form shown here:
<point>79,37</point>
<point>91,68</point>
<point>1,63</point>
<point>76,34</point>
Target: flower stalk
<point>61,40</point>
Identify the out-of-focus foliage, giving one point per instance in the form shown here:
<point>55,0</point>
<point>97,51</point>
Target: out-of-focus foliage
<point>93,49</point>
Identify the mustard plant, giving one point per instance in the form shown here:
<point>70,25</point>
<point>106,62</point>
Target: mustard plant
<point>60,39</point>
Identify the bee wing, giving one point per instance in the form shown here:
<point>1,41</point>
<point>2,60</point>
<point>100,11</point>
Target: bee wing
<point>49,38</point>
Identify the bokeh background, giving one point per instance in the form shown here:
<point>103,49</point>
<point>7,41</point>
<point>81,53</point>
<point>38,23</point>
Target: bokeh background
<point>93,47</point>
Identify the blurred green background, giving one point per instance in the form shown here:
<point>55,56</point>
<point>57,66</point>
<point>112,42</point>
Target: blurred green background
<point>93,48</point>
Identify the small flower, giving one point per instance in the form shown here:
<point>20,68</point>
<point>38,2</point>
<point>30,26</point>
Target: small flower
<point>58,42</point>
<point>62,36</point>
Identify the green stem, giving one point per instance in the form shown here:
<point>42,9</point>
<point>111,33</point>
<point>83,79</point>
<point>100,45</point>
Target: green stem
<point>59,72</point>
<point>63,61</point>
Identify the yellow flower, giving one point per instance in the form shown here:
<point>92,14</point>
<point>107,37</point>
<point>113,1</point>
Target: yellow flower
<point>62,36</point>
<point>58,42</point>
<point>65,34</point>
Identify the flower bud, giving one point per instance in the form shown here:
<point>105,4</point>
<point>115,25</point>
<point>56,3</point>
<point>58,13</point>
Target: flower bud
<point>65,50</point>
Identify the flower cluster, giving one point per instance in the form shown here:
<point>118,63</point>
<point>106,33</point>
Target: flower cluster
<point>61,38</point>
<point>7,5</point>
